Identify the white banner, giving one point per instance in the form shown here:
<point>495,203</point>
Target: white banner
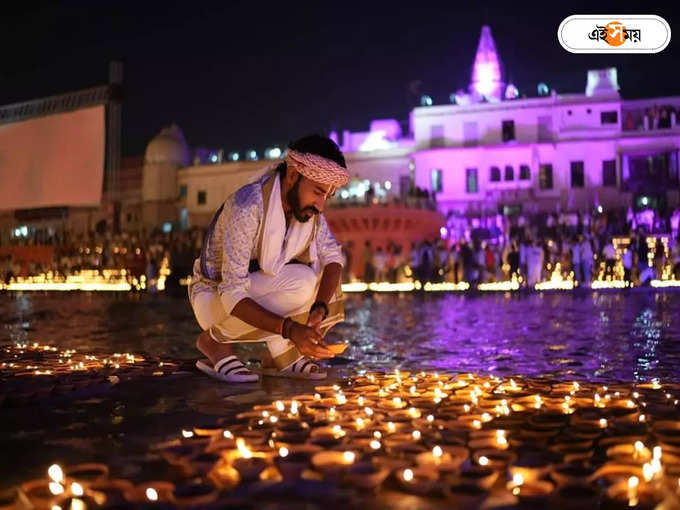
<point>56,160</point>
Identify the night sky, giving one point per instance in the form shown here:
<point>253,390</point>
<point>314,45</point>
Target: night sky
<point>253,75</point>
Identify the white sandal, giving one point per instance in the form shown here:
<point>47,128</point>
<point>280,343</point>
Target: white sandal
<point>301,369</point>
<point>229,369</point>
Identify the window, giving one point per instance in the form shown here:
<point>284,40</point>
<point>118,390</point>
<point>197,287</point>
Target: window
<point>577,177</point>
<point>609,172</point>
<point>509,173</point>
<point>609,117</point>
<point>471,180</point>
<point>437,136</point>
<point>508,130</point>
<point>524,173</point>
<point>183,191</point>
<point>545,133</point>
<point>495,174</point>
<point>545,176</point>
<point>436,180</point>
<point>201,197</point>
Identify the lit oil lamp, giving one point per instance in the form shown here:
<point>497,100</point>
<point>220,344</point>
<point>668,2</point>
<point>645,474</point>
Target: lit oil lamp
<point>366,475</point>
<point>247,464</point>
<point>572,474</point>
<point>534,492</point>
<point>636,453</point>
<point>333,464</point>
<point>291,465</point>
<point>151,494</point>
<point>495,459</point>
<point>419,480</point>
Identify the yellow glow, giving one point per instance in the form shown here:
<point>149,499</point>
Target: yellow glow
<point>243,450</point>
<point>499,286</point>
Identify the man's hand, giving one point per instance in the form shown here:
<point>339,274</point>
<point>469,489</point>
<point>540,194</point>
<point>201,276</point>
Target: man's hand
<point>308,341</point>
<point>314,320</point>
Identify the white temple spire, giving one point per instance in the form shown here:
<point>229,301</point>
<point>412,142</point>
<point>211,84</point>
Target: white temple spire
<point>486,78</point>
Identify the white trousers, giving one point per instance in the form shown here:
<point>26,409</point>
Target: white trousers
<point>290,293</point>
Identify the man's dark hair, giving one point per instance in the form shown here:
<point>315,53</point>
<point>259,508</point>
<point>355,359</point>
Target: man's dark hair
<point>315,144</point>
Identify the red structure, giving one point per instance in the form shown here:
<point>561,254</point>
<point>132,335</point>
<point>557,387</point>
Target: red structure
<point>382,224</point>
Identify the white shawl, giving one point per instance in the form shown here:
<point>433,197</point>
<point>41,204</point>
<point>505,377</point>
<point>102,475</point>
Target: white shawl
<point>278,245</point>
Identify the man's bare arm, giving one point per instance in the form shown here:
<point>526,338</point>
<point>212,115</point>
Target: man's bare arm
<point>249,311</point>
<point>307,340</point>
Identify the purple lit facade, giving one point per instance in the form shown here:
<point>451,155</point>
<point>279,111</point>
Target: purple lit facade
<point>552,153</point>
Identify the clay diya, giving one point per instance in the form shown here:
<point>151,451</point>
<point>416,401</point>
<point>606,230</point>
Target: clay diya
<point>366,475</point>
<point>418,480</point>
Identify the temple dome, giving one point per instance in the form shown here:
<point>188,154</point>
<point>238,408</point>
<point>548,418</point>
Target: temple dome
<point>168,146</point>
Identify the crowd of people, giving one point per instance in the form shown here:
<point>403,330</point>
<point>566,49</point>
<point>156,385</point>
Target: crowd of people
<point>654,117</point>
<point>139,253</point>
<point>532,250</point>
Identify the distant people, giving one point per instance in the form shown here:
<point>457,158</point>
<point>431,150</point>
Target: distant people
<point>535,262</point>
<point>576,260</point>
<point>675,257</point>
<point>379,265</point>
<point>415,261</point>
<point>513,259</point>
<point>469,266</point>
<point>347,275</point>
<point>609,255</point>
<point>369,273</point>
<point>586,250</point>
<point>426,262</point>
<point>642,255</point>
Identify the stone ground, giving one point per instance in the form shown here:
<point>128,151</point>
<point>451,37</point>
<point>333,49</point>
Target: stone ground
<point>607,336</point>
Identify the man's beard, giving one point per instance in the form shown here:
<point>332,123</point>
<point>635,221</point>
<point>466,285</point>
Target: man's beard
<point>302,214</point>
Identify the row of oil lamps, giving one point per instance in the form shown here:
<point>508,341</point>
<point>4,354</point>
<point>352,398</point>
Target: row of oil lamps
<point>473,439</point>
<point>26,359</point>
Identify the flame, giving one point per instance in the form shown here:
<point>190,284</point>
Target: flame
<point>151,494</point>
<point>408,475</point>
<point>56,473</point>
<point>243,450</point>
<point>56,488</point>
<point>517,479</point>
<point>77,489</point>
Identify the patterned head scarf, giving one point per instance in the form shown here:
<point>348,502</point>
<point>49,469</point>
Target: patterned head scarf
<point>319,169</point>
